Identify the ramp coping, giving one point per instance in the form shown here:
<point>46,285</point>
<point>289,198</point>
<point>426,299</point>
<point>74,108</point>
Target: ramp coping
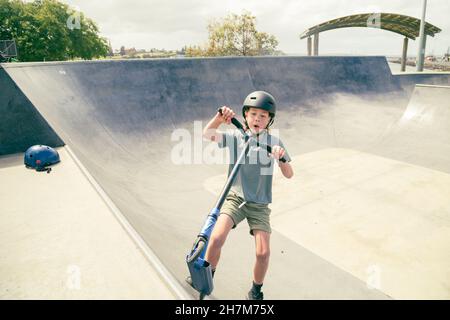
<point>432,86</point>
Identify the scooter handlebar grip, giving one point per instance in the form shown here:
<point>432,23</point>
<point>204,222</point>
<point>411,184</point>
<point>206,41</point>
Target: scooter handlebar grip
<point>234,121</point>
<point>269,150</point>
<point>237,124</point>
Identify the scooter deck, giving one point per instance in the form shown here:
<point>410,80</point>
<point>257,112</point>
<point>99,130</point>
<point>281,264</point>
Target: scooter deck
<point>201,276</point>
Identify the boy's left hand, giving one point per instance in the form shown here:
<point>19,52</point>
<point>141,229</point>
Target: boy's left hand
<point>278,152</point>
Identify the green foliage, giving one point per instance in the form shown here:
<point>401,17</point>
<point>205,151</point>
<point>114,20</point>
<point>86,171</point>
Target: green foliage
<point>235,35</point>
<point>48,30</point>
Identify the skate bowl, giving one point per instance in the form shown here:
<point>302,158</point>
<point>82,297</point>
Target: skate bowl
<point>366,215</point>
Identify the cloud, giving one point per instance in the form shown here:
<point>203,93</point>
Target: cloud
<point>175,23</point>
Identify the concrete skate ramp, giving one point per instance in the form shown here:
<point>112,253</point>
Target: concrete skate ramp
<point>422,134</point>
<point>334,234</point>
<point>21,125</point>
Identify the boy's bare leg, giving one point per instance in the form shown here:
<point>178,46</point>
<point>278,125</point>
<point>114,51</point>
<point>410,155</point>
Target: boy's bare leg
<point>220,232</point>
<point>262,244</point>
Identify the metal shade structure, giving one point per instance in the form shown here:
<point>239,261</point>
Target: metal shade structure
<point>404,25</point>
<point>407,26</point>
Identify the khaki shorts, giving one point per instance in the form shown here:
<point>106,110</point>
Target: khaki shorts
<point>258,215</point>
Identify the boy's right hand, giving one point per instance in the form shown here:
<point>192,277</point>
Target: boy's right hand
<point>227,114</point>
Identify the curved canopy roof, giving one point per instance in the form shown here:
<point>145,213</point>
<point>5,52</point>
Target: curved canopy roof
<point>404,25</point>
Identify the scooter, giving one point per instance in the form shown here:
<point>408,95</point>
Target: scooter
<point>199,268</point>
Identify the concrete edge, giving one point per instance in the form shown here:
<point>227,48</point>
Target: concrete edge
<point>432,86</point>
<point>47,63</point>
<point>427,72</point>
<point>163,272</point>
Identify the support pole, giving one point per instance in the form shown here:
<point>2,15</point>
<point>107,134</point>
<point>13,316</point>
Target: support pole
<point>316,44</point>
<point>404,54</point>
<point>421,49</point>
<point>309,46</point>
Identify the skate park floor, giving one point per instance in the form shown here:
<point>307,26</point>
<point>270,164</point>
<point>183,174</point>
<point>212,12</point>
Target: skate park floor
<point>81,252</point>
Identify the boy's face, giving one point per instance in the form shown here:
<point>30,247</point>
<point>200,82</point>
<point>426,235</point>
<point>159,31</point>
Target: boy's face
<point>257,119</point>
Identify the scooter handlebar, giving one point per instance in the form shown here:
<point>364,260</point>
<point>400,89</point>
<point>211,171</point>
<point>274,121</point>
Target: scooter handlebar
<point>234,121</point>
<point>239,125</point>
<point>269,150</point>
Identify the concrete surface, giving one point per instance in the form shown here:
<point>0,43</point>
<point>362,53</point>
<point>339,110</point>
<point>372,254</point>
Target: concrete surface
<point>124,119</point>
<point>383,221</point>
<point>61,241</point>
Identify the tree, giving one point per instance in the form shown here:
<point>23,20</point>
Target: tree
<point>194,51</point>
<point>235,35</point>
<point>45,30</point>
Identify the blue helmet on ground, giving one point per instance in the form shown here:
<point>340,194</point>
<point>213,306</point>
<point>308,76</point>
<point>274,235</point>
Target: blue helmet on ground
<point>40,157</point>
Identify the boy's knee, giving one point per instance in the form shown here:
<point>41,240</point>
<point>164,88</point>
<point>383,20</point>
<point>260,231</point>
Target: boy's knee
<point>263,255</point>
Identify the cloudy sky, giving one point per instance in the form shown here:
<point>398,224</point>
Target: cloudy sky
<point>171,24</point>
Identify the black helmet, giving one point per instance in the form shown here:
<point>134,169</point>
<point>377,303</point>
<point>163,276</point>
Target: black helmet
<point>261,100</point>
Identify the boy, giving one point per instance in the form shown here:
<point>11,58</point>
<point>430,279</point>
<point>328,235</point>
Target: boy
<point>252,190</point>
